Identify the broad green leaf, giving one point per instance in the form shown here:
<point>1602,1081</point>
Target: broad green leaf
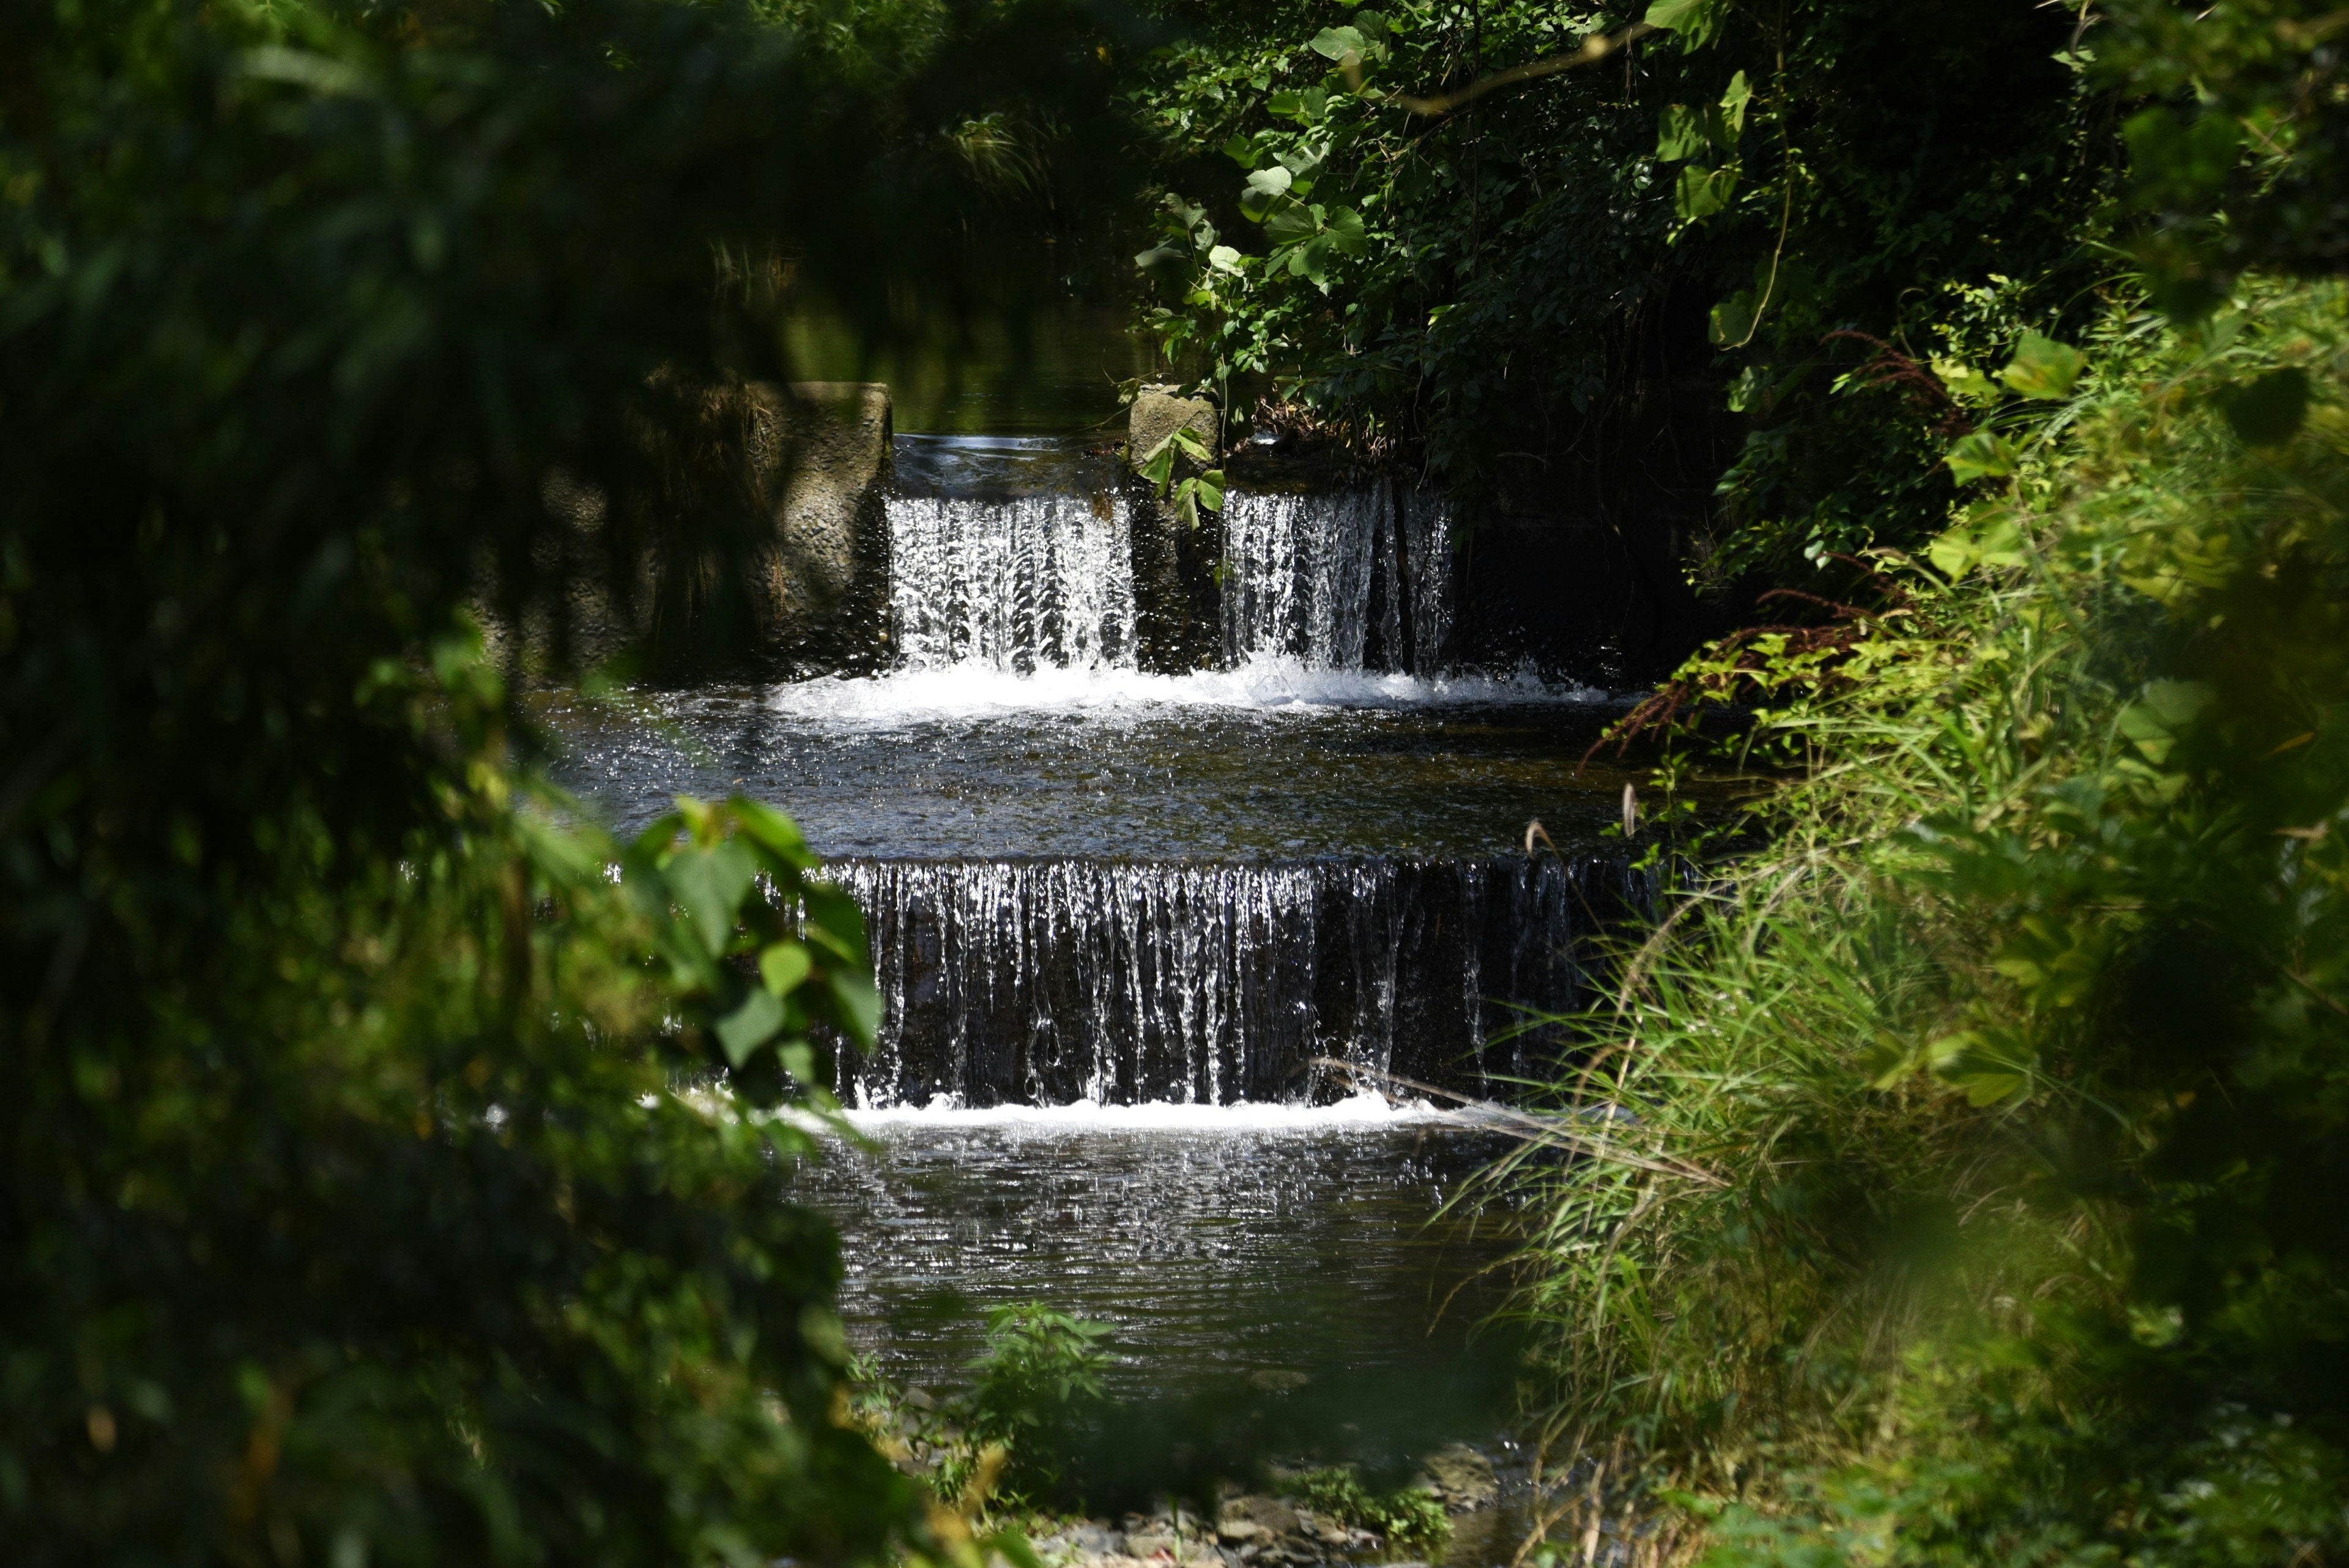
<point>1272,181</point>
<point>1734,103</point>
<point>1241,151</point>
<point>798,1061</point>
<point>2044,367</point>
<point>1985,454</point>
<point>784,966</point>
<point>2154,723</point>
<point>1694,20</point>
<point>1224,258</point>
<point>1346,233</point>
<point>710,884</point>
<point>1291,222</point>
<point>835,923</point>
<point>1732,321</point>
<point>1337,43</point>
<point>1965,383</point>
<point>1160,257</point>
<point>860,1004</point>
<point>1702,192</point>
<point>1679,133</point>
<point>1991,536</point>
<point>751,1024</point>
<point>774,832</point>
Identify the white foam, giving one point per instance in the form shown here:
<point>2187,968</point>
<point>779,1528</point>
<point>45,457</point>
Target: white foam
<point>1266,684</point>
<point>1365,1109</point>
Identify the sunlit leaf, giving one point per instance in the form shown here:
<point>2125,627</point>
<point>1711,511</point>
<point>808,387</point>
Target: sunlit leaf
<point>2042,367</point>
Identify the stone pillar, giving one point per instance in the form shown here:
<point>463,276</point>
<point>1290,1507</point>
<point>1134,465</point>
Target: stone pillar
<point>1157,413</point>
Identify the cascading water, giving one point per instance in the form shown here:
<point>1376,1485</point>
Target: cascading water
<point>1047,981</point>
<point>1011,585</point>
<point>1123,909</point>
<point>1348,581</point>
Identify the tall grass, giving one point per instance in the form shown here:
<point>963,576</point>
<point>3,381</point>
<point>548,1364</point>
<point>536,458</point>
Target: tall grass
<point>1934,1102</point>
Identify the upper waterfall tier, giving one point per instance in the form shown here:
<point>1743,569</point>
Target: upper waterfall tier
<point>1355,580</point>
<point>1012,585</point>
<point>991,568</point>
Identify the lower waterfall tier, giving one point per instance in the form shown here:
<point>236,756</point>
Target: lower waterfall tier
<point>1054,981</point>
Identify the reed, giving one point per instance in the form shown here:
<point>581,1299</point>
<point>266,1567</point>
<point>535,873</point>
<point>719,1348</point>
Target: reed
<point>1907,1089</point>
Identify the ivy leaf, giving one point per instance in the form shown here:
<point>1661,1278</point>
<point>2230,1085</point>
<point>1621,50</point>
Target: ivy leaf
<point>2044,367</point>
<point>1985,454</point>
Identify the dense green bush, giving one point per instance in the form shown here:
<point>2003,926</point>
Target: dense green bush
<point>345,1214</point>
<point>1979,1126</point>
<point>1715,257</point>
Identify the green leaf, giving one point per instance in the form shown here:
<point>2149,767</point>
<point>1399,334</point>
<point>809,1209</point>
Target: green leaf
<point>710,884</point>
<point>1224,258</point>
<point>2154,723</point>
<point>1694,20</point>
<point>751,1024</point>
<point>1732,321</point>
<point>1346,233</point>
<point>2270,411</point>
<point>1291,222</point>
<point>784,966</point>
<point>1734,103</point>
<point>770,830</point>
<point>1337,43</point>
<point>1241,151</point>
<point>1965,383</point>
<point>1991,536</point>
<point>1679,133</point>
<point>860,1004</point>
<point>1272,181</point>
<point>1702,192</point>
<point>1985,454</point>
<point>2044,367</point>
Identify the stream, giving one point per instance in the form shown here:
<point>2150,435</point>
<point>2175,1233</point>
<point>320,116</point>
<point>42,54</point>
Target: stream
<point>1126,921</point>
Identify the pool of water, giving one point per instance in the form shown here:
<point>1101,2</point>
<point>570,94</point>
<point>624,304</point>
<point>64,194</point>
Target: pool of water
<point>1268,761</point>
<point>1277,1279</point>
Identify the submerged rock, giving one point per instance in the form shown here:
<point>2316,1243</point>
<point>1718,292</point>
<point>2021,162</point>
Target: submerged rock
<point>1463,1478</point>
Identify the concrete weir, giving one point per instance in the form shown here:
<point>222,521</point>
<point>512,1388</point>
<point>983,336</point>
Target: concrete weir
<point>766,537</point>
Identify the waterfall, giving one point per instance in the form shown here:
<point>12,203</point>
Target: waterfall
<point>1049,981</point>
<point>1010,585</point>
<point>1355,580</point>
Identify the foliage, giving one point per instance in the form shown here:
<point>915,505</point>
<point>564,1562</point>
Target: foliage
<point>1978,1115</point>
<point>1039,1379</point>
<point>1192,491</point>
<point>2244,154</point>
<point>349,1214</point>
<point>1408,1516</point>
<point>1743,213</point>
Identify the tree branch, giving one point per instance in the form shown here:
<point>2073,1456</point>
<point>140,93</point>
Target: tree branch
<point>1596,47</point>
